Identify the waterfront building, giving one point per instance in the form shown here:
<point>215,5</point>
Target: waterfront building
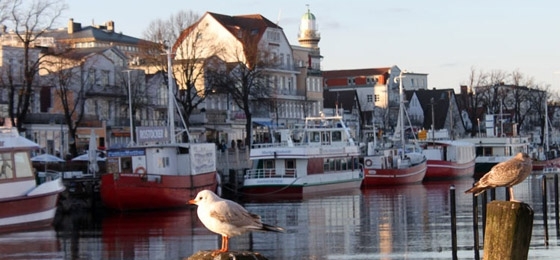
<point>295,78</point>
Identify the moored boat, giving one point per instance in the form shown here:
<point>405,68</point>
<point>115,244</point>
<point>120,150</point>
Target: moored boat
<point>393,166</point>
<point>549,170</point>
<point>493,150</point>
<point>25,203</point>
<point>320,158</point>
<point>395,163</point>
<point>158,172</point>
<point>449,159</point>
<point>156,176</point>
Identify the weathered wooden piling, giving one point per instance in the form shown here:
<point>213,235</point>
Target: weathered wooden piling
<point>545,209</point>
<point>453,222</point>
<point>556,204</point>
<point>238,255</point>
<point>509,226</point>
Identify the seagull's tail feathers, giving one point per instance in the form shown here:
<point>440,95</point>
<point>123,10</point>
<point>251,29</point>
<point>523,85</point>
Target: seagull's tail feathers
<point>267,227</point>
<point>477,190</point>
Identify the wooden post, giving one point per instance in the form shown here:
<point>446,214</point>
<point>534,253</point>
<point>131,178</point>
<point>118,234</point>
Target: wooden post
<point>508,230</point>
<point>209,255</point>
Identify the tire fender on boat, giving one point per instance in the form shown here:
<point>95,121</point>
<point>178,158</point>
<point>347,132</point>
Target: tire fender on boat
<point>368,162</point>
<point>140,170</point>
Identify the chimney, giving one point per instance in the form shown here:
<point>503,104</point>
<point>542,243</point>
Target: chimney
<point>73,27</point>
<point>110,26</point>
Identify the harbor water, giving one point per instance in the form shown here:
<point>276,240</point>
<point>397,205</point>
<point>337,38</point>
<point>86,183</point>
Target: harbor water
<point>404,222</point>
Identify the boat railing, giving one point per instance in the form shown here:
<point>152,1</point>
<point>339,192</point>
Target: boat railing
<point>302,144</point>
<point>269,173</point>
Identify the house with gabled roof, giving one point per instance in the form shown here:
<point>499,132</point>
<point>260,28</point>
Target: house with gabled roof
<point>230,38</point>
<point>435,109</point>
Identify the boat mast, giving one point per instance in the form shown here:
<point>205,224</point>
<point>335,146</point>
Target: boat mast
<point>171,101</point>
<point>546,124</point>
<point>401,108</point>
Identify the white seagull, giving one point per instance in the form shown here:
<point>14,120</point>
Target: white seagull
<point>505,174</point>
<point>227,218</point>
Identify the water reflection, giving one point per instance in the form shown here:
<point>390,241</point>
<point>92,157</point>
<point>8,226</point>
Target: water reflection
<point>405,222</point>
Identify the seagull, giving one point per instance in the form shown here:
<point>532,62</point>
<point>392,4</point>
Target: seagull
<point>227,218</point>
<point>504,174</point>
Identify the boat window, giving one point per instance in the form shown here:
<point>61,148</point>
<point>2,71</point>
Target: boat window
<point>163,162</point>
<point>6,168</point>
<point>22,166</point>
<point>269,164</point>
<point>315,137</point>
<point>126,163</point>
<point>290,164</point>
<point>336,136</point>
<point>326,137</point>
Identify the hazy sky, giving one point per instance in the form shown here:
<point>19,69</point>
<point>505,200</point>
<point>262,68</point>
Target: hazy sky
<point>442,38</point>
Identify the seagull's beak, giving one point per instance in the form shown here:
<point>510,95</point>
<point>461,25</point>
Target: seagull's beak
<point>192,202</point>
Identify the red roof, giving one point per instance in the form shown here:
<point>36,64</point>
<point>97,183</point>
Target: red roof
<point>354,72</point>
<point>255,24</point>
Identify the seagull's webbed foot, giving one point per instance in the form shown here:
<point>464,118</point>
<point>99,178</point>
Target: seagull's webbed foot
<point>225,246</point>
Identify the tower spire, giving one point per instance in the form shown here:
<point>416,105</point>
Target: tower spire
<point>308,32</point>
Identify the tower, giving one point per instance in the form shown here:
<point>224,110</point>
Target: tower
<point>308,32</point>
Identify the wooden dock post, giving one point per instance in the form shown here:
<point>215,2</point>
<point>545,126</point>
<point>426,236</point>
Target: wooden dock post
<point>208,255</point>
<point>508,230</point>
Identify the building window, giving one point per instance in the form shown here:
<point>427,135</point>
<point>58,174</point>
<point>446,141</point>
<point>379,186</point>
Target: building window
<point>377,98</point>
<point>104,78</point>
<point>369,98</point>
<point>91,76</point>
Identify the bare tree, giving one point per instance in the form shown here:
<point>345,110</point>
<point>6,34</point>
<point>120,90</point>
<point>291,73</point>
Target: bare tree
<point>191,50</point>
<point>30,20</point>
<point>247,79</point>
<point>473,101</point>
<point>71,79</point>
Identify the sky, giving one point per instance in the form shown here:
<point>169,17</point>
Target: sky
<point>444,39</point>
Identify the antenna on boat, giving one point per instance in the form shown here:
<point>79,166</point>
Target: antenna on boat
<point>170,107</point>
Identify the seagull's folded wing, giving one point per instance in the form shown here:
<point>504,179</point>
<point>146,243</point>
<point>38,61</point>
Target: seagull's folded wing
<point>235,215</point>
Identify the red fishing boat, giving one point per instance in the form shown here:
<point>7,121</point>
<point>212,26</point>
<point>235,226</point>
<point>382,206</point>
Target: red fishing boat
<point>449,159</point>
<point>25,203</point>
<point>158,171</point>
<point>394,163</point>
<point>391,167</point>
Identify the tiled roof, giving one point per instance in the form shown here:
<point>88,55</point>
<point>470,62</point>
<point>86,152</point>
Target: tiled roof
<point>354,72</point>
<point>90,32</point>
<point>253,23</point>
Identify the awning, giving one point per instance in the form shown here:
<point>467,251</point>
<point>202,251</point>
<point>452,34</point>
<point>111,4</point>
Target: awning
<point>264,123</point>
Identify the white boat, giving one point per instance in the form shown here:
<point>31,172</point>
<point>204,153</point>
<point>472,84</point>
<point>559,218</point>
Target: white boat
<point>495,145</point>
<point>493,150</point>
<point>550,170</point>
<point>24,203</point>
<point>321,157</point>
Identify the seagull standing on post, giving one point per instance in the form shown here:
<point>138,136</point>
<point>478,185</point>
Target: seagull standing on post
<point>227,218</point>
<point>505,174</point>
